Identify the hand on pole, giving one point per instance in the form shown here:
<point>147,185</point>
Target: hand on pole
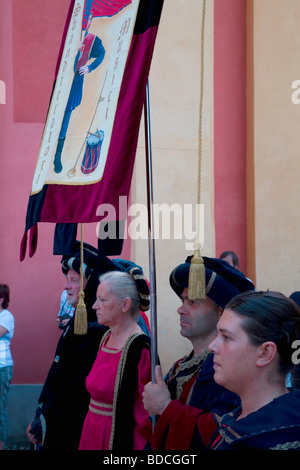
<point>156,396</point>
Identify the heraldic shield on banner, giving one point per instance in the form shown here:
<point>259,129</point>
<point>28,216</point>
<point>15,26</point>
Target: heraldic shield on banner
<point>89,141</point>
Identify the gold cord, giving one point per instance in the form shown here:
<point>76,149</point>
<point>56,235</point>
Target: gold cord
<point>80,323</point>
<point>197,269</point>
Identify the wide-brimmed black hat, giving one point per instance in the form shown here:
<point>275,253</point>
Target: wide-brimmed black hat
<point>223,281</point>
<point>72,261</point>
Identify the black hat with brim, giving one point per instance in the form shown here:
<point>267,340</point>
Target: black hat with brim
<point>223,281</point>
<point>72,261</point>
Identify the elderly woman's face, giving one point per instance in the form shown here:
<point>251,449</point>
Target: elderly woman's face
<point>108,309</point>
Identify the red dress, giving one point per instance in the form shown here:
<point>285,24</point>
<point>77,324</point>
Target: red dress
<point>100,383</point>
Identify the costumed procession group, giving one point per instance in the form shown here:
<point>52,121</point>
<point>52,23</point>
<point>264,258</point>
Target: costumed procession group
<point>236,390</point>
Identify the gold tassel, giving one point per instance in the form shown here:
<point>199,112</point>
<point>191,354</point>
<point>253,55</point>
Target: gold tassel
<point>196,289</point>
<point>80,322</point>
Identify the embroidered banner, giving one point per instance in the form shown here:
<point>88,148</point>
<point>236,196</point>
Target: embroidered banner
<point>89,141</point>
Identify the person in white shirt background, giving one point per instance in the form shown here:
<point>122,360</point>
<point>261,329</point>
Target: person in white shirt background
<point>7,325</point>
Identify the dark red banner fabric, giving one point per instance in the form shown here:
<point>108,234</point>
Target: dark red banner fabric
<point>67,203</point>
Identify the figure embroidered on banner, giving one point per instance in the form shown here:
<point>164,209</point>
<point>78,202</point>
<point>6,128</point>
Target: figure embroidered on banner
<point>90,47</point>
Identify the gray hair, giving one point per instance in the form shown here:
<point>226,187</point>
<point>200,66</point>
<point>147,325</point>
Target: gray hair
<point>122,285</point>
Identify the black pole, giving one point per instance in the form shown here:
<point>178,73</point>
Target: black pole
<point>151,244</point>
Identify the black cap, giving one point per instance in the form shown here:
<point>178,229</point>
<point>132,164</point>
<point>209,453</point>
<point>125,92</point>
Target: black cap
<point>223,281</point>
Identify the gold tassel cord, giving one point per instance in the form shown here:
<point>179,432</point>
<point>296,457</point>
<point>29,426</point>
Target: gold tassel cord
<point>197,277</point>
<point>80,322</point>
<point>196,289</point>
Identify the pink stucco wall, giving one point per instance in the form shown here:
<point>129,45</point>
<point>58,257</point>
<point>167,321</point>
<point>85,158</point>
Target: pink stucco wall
<point>230,140</point>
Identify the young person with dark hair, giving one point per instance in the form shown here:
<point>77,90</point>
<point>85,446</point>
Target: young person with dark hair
<point>253,353</point>
<point>186,398</point>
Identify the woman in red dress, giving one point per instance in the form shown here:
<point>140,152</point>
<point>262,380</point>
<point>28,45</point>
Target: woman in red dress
<point>121,369</point>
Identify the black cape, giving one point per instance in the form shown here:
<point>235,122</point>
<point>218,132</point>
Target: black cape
<point>64,400</point>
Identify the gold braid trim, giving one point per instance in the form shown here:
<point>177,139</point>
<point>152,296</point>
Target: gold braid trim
<point>194,362</point>
<point>107,411</point>
<point>287,446</point>
<point>119,377</point>
<point>184,379</point>
<point>105,335</point>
